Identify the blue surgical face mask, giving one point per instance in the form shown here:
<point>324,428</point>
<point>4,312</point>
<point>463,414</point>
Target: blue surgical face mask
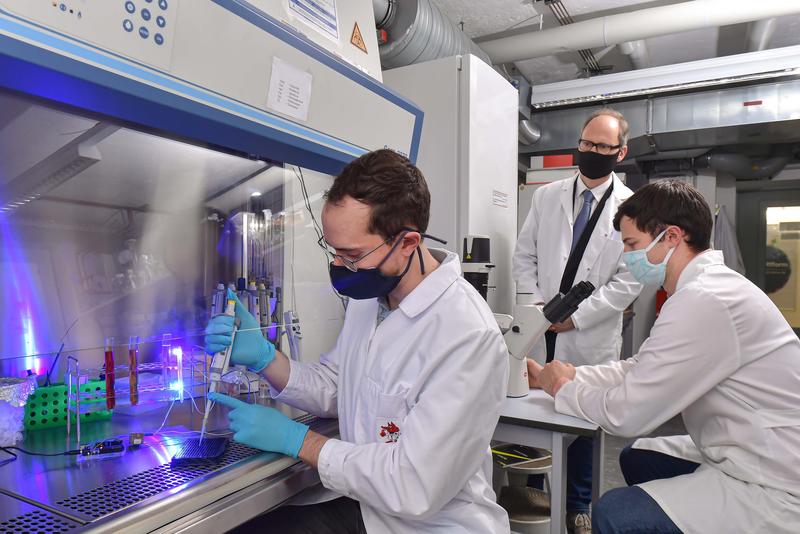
<point>646,273</point>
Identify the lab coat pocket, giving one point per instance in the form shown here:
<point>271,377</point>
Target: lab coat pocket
<point>391,416</point>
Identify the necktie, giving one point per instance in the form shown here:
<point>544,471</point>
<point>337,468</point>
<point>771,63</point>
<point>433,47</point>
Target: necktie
<point>583,218</point>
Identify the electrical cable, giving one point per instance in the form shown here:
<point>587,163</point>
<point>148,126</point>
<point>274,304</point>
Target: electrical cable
<point>73,452</point>
<point>317,228</point>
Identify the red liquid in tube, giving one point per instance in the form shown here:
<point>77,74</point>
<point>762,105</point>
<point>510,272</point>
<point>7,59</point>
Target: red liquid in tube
<point>110,395</point>
<point>133,363</point>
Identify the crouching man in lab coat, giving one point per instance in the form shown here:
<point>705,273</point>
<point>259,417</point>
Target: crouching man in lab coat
<point>721,355</point>
<point>416,377</point>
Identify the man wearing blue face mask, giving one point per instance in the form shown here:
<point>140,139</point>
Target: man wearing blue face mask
<point>416,378</point>
<point>720,354</point>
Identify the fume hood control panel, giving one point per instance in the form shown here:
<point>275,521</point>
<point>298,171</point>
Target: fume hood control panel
<point>142,30</point>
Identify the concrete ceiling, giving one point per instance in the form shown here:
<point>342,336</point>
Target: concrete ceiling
<point>490,19</point>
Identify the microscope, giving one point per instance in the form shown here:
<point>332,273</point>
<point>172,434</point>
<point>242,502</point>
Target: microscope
<point>528,324</point>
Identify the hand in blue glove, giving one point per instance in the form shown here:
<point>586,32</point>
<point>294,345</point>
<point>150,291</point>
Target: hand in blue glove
<point>249,348</point>
<point>262,427</point>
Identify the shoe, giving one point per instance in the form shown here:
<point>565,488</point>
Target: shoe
<point>579,523</point>
<point>524,502</point>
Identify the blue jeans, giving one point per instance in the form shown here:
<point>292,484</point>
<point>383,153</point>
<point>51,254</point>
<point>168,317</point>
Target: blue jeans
<point>579,476</point>
<point>631,509</point>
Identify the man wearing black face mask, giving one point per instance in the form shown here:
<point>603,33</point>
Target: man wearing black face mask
<point>416,378</point>
<point>568,237</point>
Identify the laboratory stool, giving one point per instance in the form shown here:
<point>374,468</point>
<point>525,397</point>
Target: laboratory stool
<point>527,511</point>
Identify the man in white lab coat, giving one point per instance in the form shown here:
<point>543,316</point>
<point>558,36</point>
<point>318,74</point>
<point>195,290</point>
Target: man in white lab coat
<point>720,354</point>
<point>416,377</point>
<point>568,237</point>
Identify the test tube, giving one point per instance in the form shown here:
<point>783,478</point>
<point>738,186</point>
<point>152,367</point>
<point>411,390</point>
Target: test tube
<point>133,364</point>
<point>166,345</point>
<point>109,361</point>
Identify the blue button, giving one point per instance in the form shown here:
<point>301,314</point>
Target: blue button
<point>127,25</point>
<point>146,14</point>
<point>161,21</point>
<point>149,1</point>
<point>159,39</point>
<point>62,7</point>
<point>130,8</point>
<point>163,4</point>
<point>144,32</point>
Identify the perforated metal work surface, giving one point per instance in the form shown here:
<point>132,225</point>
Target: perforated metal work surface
<point>38,521</point>
<point>18,516</point>
<point>122,493</point>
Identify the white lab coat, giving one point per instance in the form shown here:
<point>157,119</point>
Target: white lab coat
<point>435,370</point>
<point>541,255</point>
<point>723,356</point>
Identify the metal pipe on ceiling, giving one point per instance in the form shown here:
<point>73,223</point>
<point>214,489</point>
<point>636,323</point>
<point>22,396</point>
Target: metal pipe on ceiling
<point>641,24</point>
<point>760,33</point>
<point>637,52</point>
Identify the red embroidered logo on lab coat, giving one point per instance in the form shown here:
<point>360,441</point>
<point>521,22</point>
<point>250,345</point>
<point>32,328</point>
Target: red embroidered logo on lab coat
<point>390,432</point>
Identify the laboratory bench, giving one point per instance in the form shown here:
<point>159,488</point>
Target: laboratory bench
<point>532,420</point>
<point>137,491</point>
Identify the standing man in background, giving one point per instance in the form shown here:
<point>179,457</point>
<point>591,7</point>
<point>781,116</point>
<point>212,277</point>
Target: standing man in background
<point>568,236</point>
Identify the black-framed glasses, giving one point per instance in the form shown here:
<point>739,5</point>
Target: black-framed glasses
<point>351,264</point>
<point>584,145</point>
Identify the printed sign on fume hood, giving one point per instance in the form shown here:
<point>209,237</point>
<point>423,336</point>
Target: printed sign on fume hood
<point>289,90</point>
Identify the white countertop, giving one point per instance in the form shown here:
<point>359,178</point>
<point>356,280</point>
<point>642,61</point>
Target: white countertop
<point>537,409</point>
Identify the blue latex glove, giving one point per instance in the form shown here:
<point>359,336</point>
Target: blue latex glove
<point>250,348</point>
<point>261,427</point>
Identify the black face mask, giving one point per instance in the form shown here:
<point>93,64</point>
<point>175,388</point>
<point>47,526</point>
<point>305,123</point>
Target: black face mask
<point>593,165</point>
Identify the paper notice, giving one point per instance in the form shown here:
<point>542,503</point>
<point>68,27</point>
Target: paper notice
<point>289,90</point>
<point>499,198</point>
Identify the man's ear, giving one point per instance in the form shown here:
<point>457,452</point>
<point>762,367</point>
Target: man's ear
<point>676,233</point>
<point>622,153</point>
<point>410,243</point>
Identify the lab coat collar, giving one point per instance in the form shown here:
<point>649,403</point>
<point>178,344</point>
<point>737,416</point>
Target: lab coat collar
<point>696,266</point>
<point>567,198</point>
<point>434,285</point>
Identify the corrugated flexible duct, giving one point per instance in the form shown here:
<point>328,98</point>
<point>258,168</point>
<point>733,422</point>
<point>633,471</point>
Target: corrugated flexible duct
<point>418,31</point>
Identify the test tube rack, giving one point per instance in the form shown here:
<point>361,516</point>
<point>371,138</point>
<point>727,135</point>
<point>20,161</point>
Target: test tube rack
<point>169,379</point>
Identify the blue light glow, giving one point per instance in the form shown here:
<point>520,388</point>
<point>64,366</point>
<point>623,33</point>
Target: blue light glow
<point>23,312</point>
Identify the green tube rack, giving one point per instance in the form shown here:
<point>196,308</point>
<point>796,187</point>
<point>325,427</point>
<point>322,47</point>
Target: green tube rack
<point>47,406</point>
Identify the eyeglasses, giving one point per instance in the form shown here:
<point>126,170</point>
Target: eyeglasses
<point>351,264</point>
<point>584,145</point>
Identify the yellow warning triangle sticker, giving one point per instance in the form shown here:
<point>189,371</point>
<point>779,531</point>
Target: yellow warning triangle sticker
<point>357,40</point>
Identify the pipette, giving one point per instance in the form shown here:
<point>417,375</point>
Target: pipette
<point>219,366</point>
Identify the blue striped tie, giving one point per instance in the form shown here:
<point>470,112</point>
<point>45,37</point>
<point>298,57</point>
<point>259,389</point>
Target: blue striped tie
<point>583,218</point>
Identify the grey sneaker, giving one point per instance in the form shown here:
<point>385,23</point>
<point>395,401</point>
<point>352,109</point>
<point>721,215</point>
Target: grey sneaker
<point>579,523</point>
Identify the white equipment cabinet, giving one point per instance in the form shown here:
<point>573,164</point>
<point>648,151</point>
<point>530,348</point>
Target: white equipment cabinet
<point>468,154</point>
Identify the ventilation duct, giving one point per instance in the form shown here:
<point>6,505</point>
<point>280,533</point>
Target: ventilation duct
<point>529,133</point>
<point>762,114</point>
<point>417,31</point>
<point>743,167</point>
